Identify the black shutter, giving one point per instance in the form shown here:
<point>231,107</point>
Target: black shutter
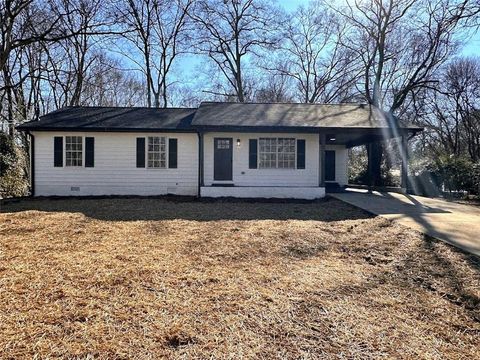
<point>300,154</point>
<point>172,153</point>
<point>89,151</point>
<point>58,151</point>
<point>140,152</point>
<point>252,153</point>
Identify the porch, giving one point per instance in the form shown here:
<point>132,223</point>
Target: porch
<point>227,170</point>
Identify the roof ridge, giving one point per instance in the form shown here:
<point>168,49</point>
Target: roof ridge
<point>123,107</point>
<point>284,103</point>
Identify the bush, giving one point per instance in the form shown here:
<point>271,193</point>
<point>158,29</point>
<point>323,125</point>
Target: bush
<point>8,155</point>
<point>358,169</point>
<point>13,180</point>
<point>456,174</point>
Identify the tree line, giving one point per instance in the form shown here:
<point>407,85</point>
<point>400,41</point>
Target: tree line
<point>399,55</point>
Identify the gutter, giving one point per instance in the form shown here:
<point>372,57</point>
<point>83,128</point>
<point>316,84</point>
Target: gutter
<point>103,129</point>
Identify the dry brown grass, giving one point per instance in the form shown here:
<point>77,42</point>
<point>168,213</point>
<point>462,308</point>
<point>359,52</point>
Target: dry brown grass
<point>146,278</point>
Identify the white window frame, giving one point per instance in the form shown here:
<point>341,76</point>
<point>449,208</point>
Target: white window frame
<point>81,151</point>
<point>278,154</point>
<point>149,161</point>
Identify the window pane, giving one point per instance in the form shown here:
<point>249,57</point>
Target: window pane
<point>157,152</point>
<point>286,153</point>
<point>268,153</point>
<point>73,150</point>
<point>277,153</point>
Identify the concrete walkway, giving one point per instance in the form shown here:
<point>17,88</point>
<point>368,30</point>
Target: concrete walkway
<point>454,223</point>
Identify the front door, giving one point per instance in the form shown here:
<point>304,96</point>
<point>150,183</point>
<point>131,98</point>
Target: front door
<point>330,165</point>
<point>222,159</point>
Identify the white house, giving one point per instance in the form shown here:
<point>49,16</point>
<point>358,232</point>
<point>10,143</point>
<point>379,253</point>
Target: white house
<point>218,150</point>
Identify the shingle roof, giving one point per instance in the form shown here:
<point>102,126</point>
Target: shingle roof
<point>216,115</point>
<point>113,118</point>
<point>289,115</point>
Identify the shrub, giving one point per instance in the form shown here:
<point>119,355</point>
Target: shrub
<point>456,174</point>
<point>13,180</point>
<point>8,155</point>
<point>358,169</point>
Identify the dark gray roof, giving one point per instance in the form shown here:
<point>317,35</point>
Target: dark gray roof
<point>113,118</point>
<point>219,114</point>
<point>215,115</point>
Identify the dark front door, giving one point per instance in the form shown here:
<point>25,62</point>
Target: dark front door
<point>222,159</point>
<point>329,165</point>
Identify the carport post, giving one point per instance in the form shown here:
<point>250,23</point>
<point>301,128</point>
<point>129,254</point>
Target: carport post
<point>404,156</point>
<point>321,168</point>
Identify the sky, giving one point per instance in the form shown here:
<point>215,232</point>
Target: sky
<point>472,46</point>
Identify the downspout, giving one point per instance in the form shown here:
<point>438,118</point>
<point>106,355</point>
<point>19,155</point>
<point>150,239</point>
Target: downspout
<point>32,164</point>
<point>322,142</point>
<point>200,162</point>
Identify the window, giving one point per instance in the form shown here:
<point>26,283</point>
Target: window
<point>157,152</point>
<point>73,150</point>
<point>223,144</point>
<point>286,153</point>
<point>277,153</point>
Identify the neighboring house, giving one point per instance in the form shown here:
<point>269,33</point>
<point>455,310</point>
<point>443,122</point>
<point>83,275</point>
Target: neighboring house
<point>220,149</point>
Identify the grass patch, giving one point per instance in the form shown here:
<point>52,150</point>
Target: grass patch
<point>143,278</point>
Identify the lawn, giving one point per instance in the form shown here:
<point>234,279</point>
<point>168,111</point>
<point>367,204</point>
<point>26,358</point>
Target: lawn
<point>146,278</point>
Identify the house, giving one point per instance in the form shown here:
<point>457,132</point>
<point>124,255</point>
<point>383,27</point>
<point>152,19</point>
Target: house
<point>276,150</point>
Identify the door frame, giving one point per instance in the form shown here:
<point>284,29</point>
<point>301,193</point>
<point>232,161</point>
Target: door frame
<point>215,140</point>
<point>334,165</point>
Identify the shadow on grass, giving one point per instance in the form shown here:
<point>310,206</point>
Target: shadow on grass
<point>170,208</point>
<point>445,272</point>
<point>458,294</point>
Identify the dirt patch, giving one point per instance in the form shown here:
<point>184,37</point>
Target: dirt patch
<point>143,278</point>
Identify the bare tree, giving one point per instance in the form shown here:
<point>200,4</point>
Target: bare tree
<point>312,55</point>
<point>453,119</point>
<point>29,28</point>
<point>159,31</point>
<point>24,22</point>
<point>400,44</point>
<point>69,60</point>
<point>229,31</point>
<point>108,85</point>
<point>276,88</point>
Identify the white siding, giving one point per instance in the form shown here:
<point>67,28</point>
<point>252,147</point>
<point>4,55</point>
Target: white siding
<point>243,176</point>
<point>115,171</point>
<point>341,163</point>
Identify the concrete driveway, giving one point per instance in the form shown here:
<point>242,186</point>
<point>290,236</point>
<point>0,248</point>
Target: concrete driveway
<point>454,223</point>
